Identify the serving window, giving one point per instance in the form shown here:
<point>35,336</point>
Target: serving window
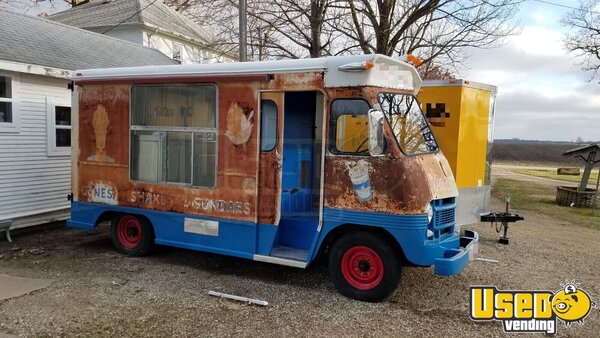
<point>174,134</point>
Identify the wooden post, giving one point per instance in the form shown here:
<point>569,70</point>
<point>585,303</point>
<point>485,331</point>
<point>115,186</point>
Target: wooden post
<point>589,164</point>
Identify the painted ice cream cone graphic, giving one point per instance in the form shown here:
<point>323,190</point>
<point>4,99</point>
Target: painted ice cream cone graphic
<point>100,122</point>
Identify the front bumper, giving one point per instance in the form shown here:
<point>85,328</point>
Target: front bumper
<point>455,260</point>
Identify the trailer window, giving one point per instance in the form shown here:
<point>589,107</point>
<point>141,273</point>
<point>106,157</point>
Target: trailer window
<point>349,125</point>
<point>174,134</point>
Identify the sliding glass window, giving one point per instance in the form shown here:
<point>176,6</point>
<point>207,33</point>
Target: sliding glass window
<point>174,134</point>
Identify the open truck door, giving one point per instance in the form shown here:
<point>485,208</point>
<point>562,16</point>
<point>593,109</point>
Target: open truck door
<point>270,158</point>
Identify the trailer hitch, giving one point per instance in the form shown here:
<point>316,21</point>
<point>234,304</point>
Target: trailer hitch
<point>501,220</point>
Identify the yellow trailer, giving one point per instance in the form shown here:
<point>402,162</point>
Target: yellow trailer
<point>462,117</point>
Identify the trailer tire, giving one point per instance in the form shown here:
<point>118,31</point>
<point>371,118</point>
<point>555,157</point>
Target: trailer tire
<point>364,266</point>
<point>132,235</point>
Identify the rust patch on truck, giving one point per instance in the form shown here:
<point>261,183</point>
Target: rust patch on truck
<point>104,124</point>
<point>103,163</point>
<point>295,81</point>
<point>397,184</point>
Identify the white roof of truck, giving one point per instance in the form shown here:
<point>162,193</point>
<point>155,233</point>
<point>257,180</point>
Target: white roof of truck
<point>379,70</point>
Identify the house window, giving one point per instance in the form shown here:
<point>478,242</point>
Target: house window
<point>6,100</point>
<point>62,126</point>
<point>59,128</point>
<point>174,134</point>
<point>177,52</point>
<point>9,103</point>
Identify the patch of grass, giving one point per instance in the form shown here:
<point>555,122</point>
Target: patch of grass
<point>540,198</point>
<point>552,174</point>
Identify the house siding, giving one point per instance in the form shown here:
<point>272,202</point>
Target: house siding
<point>31,181</point>
<point>132,34</point>
<point>191,53</point>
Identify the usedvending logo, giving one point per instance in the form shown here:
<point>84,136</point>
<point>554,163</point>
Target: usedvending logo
<point>531,311</point>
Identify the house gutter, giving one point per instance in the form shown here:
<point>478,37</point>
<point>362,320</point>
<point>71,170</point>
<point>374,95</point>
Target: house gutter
<point>19,67</point>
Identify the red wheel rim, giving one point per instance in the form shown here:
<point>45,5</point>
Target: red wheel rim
<point>129,232</point>
<point>362,267</point>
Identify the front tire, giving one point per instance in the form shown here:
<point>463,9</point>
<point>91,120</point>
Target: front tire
<point>364,266</point>
<point>132,235</point>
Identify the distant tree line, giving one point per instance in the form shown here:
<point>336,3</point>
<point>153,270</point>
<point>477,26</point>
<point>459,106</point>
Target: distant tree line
<point>538,152</point>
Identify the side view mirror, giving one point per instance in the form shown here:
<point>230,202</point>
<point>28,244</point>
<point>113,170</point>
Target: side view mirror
<point>376,138</point>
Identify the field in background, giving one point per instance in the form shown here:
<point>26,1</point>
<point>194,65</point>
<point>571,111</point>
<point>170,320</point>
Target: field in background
<point>546,173</point>
<point>540,198</point>
<point>532,153</point>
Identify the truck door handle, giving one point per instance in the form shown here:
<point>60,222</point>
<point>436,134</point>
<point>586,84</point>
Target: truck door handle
<point>277,164</point>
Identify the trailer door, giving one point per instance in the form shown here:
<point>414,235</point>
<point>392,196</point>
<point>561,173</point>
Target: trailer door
<point>270,158</point>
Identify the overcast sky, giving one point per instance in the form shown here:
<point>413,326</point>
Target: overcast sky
<point>542,93</point>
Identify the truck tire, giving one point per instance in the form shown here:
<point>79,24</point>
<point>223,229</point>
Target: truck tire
<point>364,266</point>
<point>132,235</point>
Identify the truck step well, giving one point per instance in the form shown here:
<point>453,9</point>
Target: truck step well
<point>287,252</point>
<point>285,255</point>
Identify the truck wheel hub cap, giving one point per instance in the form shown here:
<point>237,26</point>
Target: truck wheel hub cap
<point>362,267</point>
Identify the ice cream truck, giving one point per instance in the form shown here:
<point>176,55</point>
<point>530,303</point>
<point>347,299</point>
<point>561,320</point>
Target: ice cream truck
<point>277,161</point>
<point>461,115</point>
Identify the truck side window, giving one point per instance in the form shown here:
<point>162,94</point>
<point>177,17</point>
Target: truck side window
<point>268,125</point>
<point>349,126</point>
<point>174,134</point>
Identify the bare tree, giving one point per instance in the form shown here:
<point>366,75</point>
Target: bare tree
<point>584,37</point>
<point>221,16</point>
<point>41,7</point>
<point>276,28</point>
<point>440,32</point>
<point>302,23</point>
<point>431,29</point>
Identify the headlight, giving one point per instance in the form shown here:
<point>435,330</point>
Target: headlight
<point>429,213</point>
<point>429,233</point>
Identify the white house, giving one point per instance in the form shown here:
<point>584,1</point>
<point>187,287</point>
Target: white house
<point>36,60</point>
<point>149,23</point>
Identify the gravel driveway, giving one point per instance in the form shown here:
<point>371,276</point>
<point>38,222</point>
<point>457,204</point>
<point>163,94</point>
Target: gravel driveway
<point>97,292</point>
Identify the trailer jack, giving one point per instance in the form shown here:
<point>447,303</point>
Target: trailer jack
<point>501,220</point>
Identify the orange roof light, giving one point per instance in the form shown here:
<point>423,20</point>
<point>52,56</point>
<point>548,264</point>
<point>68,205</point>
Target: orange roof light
<point>357,66</point>
<point>414,60</point>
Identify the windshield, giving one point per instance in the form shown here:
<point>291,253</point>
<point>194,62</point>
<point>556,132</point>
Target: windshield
<point>408,123</point>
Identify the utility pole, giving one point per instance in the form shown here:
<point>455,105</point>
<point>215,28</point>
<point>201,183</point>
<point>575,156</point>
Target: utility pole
<point>243,31</point>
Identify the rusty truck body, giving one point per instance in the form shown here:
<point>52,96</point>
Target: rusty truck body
<point>276,161</point>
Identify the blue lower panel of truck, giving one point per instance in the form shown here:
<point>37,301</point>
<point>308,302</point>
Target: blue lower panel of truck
<point>235,238</point>
<point>448,252</point>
